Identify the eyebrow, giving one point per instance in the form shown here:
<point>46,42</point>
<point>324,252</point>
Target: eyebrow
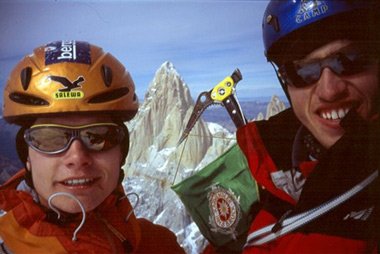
<point>352,47</point>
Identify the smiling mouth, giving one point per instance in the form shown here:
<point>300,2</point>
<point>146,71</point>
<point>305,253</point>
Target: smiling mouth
<point>334,114</point>
<point>79,182</point>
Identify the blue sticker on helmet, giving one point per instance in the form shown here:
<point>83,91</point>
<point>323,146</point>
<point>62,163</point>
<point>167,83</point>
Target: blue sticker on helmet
<point>67,51</point>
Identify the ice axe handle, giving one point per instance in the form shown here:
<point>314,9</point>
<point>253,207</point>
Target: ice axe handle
<point>235,112</point>
<point>236,76</point>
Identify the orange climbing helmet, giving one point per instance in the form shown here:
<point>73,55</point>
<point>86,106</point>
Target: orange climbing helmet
<point>69,77</point>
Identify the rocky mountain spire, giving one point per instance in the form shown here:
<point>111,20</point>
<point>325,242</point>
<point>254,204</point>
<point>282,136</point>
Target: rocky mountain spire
<point>158,125</point>
<point>275,106</point>
<point>155,162</point>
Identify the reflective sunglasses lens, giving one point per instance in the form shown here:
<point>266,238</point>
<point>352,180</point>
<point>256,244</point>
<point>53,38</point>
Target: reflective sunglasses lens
<point>101,138</point>
<point>301,74</point>
<point>308,74</point>
<point>48,139</point>
<point>353,63</point>
<point>53,139</point>
<point>288,73</point>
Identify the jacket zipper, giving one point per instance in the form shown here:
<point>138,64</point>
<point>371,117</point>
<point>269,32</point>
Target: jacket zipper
<point>112,231</point>
<point>273,231</point>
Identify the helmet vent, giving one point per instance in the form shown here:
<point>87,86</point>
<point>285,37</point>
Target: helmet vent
<point>107,75</point>
<point>110,96</point>
<point>273,20</point>
<point>27,99</point>
<point>25,76</point>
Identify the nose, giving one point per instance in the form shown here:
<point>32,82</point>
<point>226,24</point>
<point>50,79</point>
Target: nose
<point>77,155</point>
<point>331,87</point>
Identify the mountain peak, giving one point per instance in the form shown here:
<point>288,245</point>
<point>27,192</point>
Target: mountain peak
<point>275,106</point>
<point>168,90</point>
<point>167,65</point>
<point>167,68</point>
<point>160,121</point>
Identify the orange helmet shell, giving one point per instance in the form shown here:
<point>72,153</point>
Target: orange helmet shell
<point>69,77</point>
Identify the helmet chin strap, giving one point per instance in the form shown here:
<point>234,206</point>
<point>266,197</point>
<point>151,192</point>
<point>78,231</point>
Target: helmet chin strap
<point>283,84</point>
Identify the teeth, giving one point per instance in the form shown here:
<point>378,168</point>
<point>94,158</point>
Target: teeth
<point>335,114</point>
<point>78,181</point>
<point>341,113</point>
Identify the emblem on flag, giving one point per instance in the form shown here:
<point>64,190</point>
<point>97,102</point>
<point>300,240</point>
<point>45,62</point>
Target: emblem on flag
<point>224,210</point>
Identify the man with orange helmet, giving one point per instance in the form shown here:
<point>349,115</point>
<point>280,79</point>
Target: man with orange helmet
<point>318,162</point>
<point>71,100</point>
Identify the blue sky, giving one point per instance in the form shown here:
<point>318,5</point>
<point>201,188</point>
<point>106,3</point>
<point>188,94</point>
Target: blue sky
<point>204,39</point>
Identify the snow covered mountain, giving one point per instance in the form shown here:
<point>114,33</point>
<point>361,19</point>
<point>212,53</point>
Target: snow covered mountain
<point>155,162</point>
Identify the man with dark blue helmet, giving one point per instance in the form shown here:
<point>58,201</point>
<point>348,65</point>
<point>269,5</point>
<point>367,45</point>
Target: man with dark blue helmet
<point>320,177</point>
<point>317,163</point>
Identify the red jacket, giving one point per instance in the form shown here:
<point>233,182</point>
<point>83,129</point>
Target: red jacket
<point>26,227</point>
<point>352,227</point>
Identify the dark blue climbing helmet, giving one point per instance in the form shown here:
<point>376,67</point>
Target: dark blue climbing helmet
<point>286,20</point>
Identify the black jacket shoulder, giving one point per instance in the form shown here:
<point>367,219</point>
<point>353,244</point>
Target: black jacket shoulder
<point>278,134</point>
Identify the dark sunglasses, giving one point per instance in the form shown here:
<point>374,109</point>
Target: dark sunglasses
<point>304,73</point>
<point>56,138</point>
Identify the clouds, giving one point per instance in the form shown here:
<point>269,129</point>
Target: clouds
<point>205,40</point>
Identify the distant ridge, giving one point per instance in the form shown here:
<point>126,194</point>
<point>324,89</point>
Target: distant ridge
<point>9,161</point>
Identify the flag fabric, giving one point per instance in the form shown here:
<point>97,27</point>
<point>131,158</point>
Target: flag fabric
<point>220,198</point>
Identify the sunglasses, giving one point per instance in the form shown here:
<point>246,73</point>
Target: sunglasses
<point>305,73</point>
<point>56,138</point>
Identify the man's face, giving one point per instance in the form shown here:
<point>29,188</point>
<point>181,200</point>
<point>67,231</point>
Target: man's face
<point>322,105</point>
<point>89,176</point>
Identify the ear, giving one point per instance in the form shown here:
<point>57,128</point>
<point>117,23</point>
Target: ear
<point>28,165</point>
<point>121,176</point>
<point>28,173</point>
<point>22,147</point>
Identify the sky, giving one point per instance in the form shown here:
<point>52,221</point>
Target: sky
<point>206,40</point>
